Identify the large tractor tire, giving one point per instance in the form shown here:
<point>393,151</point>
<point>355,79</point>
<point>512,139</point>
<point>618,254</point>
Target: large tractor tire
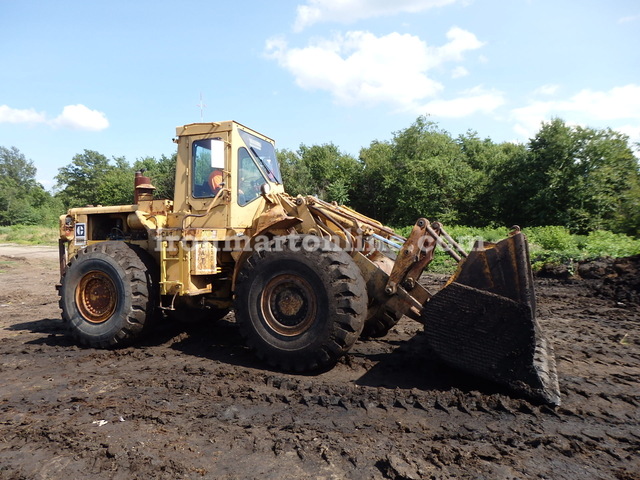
<point>300,303</point>
<point>108,294</point>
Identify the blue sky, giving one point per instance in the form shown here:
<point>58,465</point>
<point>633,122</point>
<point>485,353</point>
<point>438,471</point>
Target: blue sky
<point>118,76</point>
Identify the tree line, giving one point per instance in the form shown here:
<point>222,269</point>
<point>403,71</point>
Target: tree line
<point>90,179</point>
<point>581,178</point>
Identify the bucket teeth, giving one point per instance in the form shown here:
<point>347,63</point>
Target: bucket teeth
<point>483,322</point>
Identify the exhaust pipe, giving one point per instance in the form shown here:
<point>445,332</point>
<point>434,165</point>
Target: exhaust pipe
<point>143,190</point>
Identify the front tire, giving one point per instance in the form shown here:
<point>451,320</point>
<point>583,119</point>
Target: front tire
<point>108,294</point>
<point>300,303</point>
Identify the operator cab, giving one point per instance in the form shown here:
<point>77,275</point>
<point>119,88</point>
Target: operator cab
<point>257,167</point>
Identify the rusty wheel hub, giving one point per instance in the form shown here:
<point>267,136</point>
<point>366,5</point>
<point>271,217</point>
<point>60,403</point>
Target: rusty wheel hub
<point>96,297</point>
<point>288,305</point>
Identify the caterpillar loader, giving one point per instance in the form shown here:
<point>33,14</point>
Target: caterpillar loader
<point>306,278</point>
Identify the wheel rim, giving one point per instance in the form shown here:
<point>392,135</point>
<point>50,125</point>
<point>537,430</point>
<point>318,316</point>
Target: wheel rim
<point>289,305</point>
<point>96,297</point>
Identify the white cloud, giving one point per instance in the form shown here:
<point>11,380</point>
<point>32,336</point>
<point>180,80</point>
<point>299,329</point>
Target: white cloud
<point>632,131</point>
<point>546,90</point>
<point>361,68</point>
<point>460,41</point>
<point>348,11</point>
<point>587,107</point>
<point>77,117</point>
<point>14,115</point>
<point>459,72</point>
<point>629,19</point>
<point>469,102</point>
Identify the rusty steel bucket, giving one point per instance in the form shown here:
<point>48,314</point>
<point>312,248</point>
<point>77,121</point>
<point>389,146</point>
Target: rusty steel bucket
<point>484,321</point>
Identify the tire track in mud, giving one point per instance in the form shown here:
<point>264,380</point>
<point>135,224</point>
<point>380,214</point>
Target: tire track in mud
<point>198,405</point>
<point>345,429</point>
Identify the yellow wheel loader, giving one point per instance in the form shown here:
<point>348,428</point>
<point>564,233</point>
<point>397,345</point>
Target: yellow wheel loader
<point>306,278</point>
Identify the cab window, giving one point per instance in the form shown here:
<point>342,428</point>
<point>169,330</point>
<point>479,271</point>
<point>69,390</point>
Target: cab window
<point>207,167</point>
<point>249,178</point>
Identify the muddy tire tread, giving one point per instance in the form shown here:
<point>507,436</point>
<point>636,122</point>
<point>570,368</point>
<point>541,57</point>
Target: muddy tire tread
<point>347,299</point>
<point>139,271</point>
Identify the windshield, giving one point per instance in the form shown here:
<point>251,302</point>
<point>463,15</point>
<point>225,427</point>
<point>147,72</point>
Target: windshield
<point>250,177</point>
<point>264,153</point>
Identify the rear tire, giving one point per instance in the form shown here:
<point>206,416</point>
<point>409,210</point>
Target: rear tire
<point>108,294</point>
<point>301,306</point>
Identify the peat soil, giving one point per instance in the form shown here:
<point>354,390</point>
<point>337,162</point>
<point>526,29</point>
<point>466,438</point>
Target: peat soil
<point>195,403</point>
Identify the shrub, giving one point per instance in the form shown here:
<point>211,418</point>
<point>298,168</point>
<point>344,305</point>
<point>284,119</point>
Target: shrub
<point>548,245</point>
<point>550,237</point>
<point>602,243</point>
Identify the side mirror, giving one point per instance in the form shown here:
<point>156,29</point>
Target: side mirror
<point>217,153</point>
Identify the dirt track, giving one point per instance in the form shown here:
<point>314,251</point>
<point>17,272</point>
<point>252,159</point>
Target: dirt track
<point>197,405</point>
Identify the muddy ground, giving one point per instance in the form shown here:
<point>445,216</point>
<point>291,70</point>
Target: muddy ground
<point>192,405</point>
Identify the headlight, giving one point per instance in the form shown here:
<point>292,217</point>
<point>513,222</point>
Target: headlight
<point>66,227</point>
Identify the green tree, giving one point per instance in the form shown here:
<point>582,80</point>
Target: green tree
<point>606,182</point>
<point>421,172</point>
<point>15,167</point>
<point>437,175</point>
<point>295,175</point>
<point>376,182</point>
<point>627,219</point>
<point>338,191</point>
<point>320,170</point>
<point>577,177</point>
<point>162,172</point>
<point>550,177</point>
<point>90,179</point>
<point>504,193</point>
<point>22,199</point>
<point>80,181</point>
<point>480,206</point>
<point>116,187</point>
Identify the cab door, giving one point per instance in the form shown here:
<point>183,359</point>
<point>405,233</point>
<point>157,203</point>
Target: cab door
<point>209,181</point>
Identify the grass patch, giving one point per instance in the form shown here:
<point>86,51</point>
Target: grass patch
<point>29,235</point>
<point>550,245</point>
<point>6,265</point>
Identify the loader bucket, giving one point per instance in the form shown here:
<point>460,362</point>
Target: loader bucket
<point>483,321</point>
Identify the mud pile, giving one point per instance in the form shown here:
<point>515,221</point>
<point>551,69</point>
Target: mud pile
<point>619,277</point>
